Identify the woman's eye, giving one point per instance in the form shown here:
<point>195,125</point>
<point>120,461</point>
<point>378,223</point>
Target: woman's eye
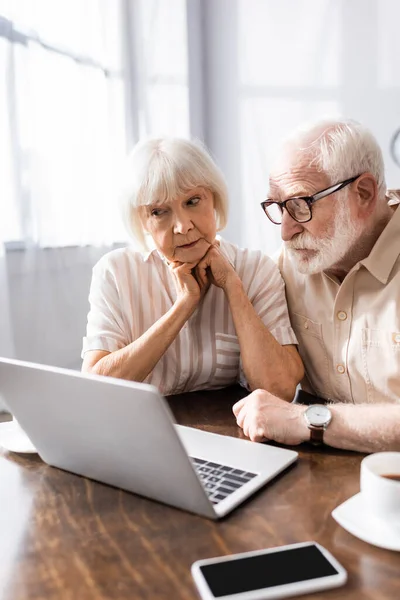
<point>157,212</point>
<point>193,201</point>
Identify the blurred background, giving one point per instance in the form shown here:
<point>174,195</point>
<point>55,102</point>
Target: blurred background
<point>82,80</point>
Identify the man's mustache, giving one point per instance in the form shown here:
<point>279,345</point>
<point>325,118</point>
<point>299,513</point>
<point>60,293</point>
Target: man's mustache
<point>303,241</point>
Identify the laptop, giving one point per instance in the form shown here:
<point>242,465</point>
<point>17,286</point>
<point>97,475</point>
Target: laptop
<point>123,434</point>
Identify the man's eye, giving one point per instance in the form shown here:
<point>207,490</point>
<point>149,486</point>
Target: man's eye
<point>193,201</point>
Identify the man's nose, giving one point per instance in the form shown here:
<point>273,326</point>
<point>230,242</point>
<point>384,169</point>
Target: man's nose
<point>289,227</point>
<point>182,223</point>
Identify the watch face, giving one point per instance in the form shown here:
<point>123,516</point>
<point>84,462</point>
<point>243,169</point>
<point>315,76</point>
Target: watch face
<point>318,415</point>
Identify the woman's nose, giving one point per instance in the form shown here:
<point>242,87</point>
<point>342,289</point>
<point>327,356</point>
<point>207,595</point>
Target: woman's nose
<point>182,224</point>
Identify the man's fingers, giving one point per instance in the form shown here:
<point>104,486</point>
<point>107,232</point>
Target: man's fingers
<point>238,407</point>
<point>245,426</point>
<point>248,420</point>
<point>241,417</point>
<point>256,433</point>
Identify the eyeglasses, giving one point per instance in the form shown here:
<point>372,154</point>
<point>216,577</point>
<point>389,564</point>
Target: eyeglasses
<point>299,208</point>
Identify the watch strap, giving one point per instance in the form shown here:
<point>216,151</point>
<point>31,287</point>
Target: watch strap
<point>316,434</point>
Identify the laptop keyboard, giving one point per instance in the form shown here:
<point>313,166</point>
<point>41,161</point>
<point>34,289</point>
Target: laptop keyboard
<point>220,480</point>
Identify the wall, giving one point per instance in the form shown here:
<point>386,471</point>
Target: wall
<point>48,291</point>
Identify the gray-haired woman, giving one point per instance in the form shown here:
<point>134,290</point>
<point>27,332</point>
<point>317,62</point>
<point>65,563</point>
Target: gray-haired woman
<point>194,312</point>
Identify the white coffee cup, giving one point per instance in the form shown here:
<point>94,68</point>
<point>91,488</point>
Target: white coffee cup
<point>380,485</point>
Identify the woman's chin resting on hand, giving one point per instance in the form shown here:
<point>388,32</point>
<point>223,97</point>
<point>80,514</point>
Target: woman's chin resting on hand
<point>179,315</point>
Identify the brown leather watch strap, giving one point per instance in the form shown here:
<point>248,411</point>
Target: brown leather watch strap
<point>316,435</point>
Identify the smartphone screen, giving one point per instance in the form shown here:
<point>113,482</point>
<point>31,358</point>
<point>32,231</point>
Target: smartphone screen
<point>252,573</point>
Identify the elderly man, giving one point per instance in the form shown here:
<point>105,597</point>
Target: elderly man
<point>341,265</point>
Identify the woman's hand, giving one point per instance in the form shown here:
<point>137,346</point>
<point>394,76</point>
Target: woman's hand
<point>189,287</point>
<point>215,268</point>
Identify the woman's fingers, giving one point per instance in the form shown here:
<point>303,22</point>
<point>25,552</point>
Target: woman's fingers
<point>178,267</point>
<point>201,275</point>
<point>185,282</point>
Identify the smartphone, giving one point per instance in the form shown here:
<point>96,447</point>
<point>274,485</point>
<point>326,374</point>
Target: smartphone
<point>271,573</point>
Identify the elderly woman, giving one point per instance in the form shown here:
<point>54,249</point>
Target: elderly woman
<point>195,312</point>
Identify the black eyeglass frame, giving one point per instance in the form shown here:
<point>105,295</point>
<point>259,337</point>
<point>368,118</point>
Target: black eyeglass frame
<point>308,199</point>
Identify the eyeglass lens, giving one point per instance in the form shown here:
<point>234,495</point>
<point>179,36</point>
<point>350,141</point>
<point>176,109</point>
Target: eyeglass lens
<point>297,208</point>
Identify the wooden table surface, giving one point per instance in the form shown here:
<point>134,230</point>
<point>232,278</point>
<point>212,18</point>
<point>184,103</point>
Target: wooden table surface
<point>62,536</point>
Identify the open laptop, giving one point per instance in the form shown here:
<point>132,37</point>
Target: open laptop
<point>123,433</point>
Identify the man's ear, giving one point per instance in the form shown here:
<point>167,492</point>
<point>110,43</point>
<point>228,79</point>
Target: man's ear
<point>367,192</point>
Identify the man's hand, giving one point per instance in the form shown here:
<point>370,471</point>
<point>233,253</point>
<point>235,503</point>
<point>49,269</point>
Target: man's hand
<point>215,268</point>
<point>263,416</point>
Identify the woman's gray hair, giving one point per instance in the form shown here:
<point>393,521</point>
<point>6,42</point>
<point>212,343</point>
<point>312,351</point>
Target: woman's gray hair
<point>342,148</point>
<point>160,169</point>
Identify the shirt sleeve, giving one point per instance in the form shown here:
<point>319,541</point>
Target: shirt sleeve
<point>105,325</point>
<point>267,295</point>
<point>266,291</point>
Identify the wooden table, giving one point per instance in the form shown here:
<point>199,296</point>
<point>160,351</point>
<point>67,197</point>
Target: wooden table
<point>62,536</point>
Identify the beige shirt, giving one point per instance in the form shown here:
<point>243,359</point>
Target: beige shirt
<point>349,334</point>
<point>131,291</point>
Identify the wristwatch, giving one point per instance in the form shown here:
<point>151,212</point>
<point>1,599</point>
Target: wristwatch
<point>317,417</point>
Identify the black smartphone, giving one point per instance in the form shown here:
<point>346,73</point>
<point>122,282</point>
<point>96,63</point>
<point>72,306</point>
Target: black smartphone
<point>271,573</point>
<point>303,397</point>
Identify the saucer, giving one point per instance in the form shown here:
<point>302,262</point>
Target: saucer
<point>353,517</point>
<point>14,439</point>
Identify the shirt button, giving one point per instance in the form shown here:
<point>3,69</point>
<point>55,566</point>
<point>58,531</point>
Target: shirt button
<point>340,369</point>
<point>342,316</point>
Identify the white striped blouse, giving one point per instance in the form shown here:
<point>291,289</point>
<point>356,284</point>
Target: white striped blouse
<point>130,291</point>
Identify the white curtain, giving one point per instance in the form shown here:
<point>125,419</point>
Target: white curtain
<point>288,72</point>
<point>80,82</point>
<point>160,47</point>
<point>62,109</point>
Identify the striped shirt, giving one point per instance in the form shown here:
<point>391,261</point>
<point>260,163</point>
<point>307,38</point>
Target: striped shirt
<point>131,291</point>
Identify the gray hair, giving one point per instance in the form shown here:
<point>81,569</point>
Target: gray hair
<point>341,148</point>
<point>160,169</point>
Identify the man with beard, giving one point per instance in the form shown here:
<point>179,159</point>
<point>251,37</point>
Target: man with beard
<point>341,265</point>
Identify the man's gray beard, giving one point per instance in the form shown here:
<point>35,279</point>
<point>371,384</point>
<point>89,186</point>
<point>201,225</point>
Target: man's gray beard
<point>329,251</point>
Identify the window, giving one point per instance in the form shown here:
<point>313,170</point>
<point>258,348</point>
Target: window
<point>62,118</point>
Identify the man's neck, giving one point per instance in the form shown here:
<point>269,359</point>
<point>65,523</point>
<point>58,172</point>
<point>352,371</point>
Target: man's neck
<point>360,250</point>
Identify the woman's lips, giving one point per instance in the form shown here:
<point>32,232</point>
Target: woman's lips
<point>189,245</point>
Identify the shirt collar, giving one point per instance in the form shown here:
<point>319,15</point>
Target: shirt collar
<point>386,250</point>
<point>147,255</point>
